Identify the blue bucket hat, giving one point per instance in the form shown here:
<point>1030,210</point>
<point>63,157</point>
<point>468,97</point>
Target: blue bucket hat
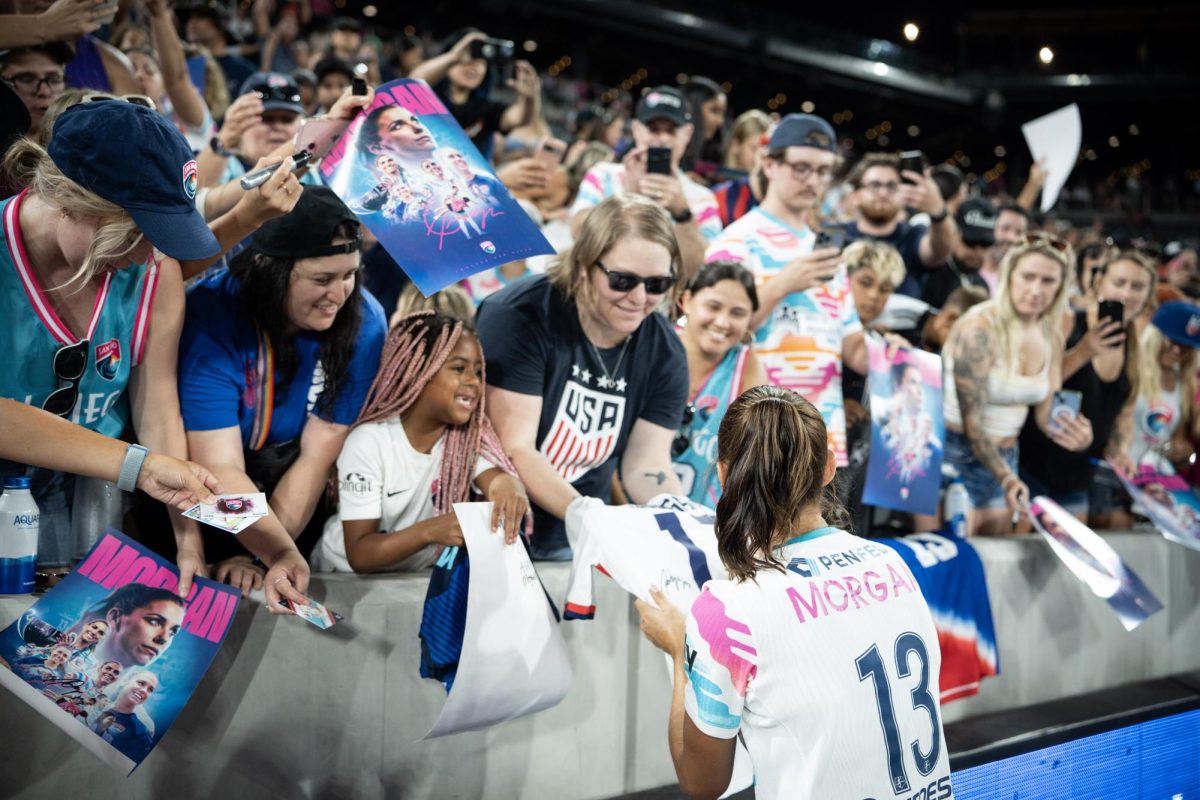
<point>131,156</point>
<point>1179,322</point>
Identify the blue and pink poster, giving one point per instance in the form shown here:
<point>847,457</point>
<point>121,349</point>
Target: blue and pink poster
<point>407,170</point>
<point>904,470</point>
<point>112,654</point>
<point>1170,503</point>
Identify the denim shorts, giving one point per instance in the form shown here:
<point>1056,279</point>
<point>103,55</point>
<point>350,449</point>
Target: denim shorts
<point>1074,502</point>
<point>982,486</point>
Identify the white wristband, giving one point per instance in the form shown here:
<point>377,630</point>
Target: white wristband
<point>135,454</point>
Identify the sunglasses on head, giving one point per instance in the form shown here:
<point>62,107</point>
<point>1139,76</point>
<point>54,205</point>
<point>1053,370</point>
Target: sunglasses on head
<point>626,281</point>
<point>134,99</point>
<point>683,439</point>
<point>70,360</point>
<point>1038,237</point>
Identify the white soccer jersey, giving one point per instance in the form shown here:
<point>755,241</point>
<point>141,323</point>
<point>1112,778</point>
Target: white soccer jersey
<point>829,669</point>
<point>669,544</point>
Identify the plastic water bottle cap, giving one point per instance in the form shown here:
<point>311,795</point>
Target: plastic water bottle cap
<point>18,482</point>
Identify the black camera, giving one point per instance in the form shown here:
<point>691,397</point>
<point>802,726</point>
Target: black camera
<point>497,51</point>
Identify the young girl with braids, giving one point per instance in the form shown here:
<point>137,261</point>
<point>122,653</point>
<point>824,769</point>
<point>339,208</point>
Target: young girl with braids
<point>420,444</point>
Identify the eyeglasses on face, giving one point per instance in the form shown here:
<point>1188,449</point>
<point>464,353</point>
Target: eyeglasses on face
<point>70,360</point>
<point>803,170</point>
<point>627,281</point>
<point>30,83</point>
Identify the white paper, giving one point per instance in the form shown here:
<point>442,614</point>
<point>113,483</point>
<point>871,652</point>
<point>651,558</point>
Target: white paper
<point>514,660</point>
<point>1054,140</point>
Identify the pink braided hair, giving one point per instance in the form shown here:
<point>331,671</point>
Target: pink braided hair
<point>416,348</point>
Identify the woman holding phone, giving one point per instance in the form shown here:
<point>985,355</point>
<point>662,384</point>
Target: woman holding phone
<point>1100,341</point>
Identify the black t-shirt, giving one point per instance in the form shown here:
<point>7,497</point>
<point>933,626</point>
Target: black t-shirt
<point>907,239</point>
<point>1062,470</point>
<point>479,117</point>
<point>533,344</point>
<point>941,282</point>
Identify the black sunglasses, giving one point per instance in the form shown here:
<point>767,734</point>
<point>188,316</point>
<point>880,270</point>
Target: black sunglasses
<point>627,281</point>
<point>70,360</point>
<point>683,439</point>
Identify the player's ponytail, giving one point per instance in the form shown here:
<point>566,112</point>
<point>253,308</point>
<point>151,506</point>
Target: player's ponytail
<point>773,447</point>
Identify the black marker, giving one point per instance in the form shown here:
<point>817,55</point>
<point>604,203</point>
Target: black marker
<point>261,176</point>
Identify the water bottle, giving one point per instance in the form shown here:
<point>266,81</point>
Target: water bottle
<point>18,537</point>
<point>97,505</point>
<point>956,507</point>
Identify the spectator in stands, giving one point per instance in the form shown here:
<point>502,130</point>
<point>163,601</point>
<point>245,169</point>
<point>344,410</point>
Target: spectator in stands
<point>421,444</point>
<point>1012,223</point>
<point>1090,257</point>
<point>464,83</point>
<point>717,309</point>
<point>881,195</point>
<point>595,378</point>
<point>306,80</point>
<point>163,76</point>
<point>215,92</point>
<point>936,329</point>
<point>706,149</point>
<point>453,302</point>
<point>282,49</point>
<point>284,330</point>
<point>1160,414</point>
<point>1096,365</point>
<point>743,154</point>
<point>208,24</point>
<point>409,52</point>
<point>37,76</point>
<point>1004,356</point>
<point>96,64</point>
<point>976,219</point>
<point>806,326</point>
<point>334,76</point>
<point>662,121</point>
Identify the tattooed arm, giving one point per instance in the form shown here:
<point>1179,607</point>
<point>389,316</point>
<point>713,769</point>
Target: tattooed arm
<point>972,345</point>
<point>646,465</point>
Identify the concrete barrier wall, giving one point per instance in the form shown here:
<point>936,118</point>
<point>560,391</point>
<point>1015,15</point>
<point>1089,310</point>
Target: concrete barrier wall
<point>289,711</point>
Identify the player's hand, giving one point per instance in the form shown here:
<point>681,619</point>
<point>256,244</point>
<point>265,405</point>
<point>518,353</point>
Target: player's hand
<point>240,573</point>
<point>804,272</point>
<point>509,504</point>
<point>662,623</point>
<point>287,578</point>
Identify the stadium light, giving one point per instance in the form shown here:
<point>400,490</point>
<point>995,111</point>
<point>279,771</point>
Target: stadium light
<point>911,31</point>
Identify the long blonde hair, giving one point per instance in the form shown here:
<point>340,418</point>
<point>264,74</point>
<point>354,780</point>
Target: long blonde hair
<point>1007,325</point>
<point>1145,374</point>
<point>30,166</point>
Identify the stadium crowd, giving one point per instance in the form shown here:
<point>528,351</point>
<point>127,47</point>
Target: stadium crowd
<point>266,338</point>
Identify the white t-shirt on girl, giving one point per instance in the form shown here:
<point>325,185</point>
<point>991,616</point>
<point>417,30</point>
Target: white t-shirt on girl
<point>382,477</point>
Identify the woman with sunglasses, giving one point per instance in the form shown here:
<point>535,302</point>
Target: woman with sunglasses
<point>1002,357</point>
<point>583,374</point>
<point>92,298</point>
<point>717,308</point>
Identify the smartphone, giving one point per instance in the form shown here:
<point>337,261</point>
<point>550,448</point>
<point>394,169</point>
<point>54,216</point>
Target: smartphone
<point>1112,309</point>
<point>830,237</point>
<point>550,152</point>
<point>1066,404</point>
<point>658,161</point>
<point>914,161</point>
<point>359,87</point>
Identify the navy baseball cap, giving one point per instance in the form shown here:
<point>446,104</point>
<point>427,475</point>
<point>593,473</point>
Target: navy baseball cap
<point>663,102</point>
<point>803,130</point>
<point>1179,322</point>
<point>278,91</point>
<point>133,157</point>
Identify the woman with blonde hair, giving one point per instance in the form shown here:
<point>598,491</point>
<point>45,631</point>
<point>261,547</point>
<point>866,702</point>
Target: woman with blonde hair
<point>1002,357</point>
<point>584,374</point>
<point>93,301</point>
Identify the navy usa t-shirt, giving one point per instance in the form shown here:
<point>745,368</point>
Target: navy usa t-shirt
<point>533,344</point>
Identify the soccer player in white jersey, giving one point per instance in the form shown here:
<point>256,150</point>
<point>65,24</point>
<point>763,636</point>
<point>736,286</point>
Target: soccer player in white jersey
<point>820,650</point>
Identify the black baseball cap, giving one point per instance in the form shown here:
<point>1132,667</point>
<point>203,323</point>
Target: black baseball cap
<point>277,90</point>
<point>213,10</point>
<point>803,130</point>
<point>663,102</point>
<point>976,220</point>
<point>346,24</point>
<point>309,229</point>
<point>133,157</point>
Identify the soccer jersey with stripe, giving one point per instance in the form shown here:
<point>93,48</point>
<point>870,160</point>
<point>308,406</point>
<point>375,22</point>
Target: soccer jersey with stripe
<point>605,180</point>
<point>33,332</point>
<point>668,543</point>
<point>697,466</point>
<point>801,342</point>
<point>828,668</point>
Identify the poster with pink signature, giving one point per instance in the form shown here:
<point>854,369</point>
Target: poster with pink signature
<point>407,170</point>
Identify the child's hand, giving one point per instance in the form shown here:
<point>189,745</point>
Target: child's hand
<point>509,504</point>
